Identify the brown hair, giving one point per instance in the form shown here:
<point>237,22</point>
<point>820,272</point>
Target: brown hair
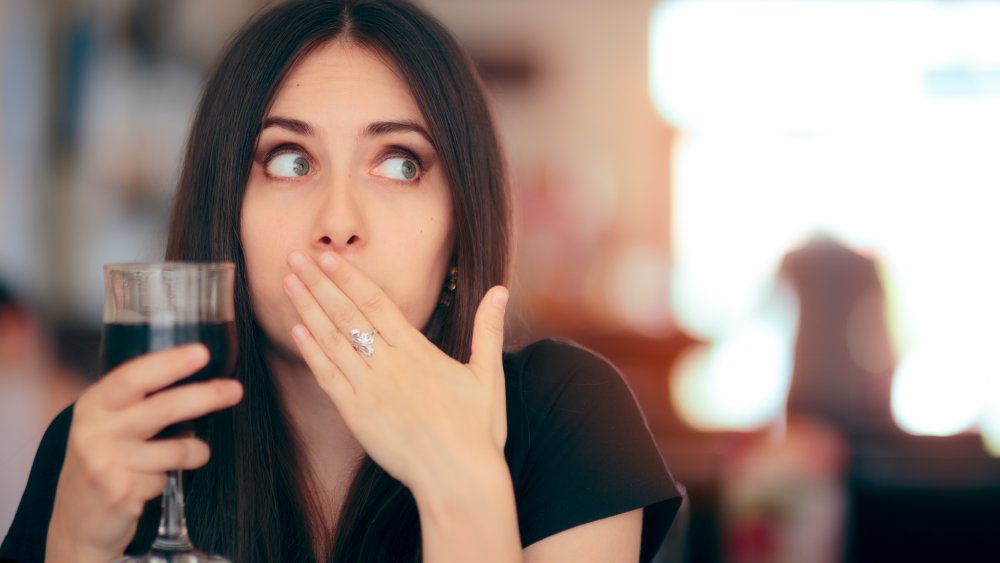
<point>252,501</point>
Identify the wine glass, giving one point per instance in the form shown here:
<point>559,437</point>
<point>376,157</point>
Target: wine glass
<point>153,306</point>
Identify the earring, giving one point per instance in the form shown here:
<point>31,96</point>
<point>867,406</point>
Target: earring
<point>450,285</point>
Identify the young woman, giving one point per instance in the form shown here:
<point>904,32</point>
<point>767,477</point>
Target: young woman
<point>343,156</point>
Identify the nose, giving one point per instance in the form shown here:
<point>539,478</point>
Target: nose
<point>339,223</point>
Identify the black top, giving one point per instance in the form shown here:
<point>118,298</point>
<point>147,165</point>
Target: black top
<point>578,447</point>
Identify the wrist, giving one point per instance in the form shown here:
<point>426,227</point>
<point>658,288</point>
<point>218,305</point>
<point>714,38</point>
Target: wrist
<point>61,551</point>
<point>62,545</point>
<point>456,487</point>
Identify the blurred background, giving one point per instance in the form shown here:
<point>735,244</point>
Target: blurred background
<point>778,218</point>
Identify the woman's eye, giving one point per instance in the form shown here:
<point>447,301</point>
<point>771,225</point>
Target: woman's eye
<point>288,165</point>
<point>398,168</point>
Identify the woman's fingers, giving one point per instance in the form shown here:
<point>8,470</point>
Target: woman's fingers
<point>186,402</point>
<point>150,486</point>
<point>349,297</point>
<point>131,382</point>
<point>158,456</point>
<point>330,339</point>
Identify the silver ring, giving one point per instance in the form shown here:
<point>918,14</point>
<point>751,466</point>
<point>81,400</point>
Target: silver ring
<point>363,342</point>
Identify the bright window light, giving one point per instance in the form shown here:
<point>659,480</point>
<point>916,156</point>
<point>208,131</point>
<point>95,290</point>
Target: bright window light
<point>941,390</point>
<point>875,122</point>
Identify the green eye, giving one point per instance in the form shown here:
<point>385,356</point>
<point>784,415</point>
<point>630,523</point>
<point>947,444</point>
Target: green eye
<point>289,165</point>
<point>398,168</point>
<point>409,169</point>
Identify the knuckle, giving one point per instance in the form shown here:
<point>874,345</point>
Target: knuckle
<point>168,409</point>
<point>307,306</point>
<point>219,392</point>
<point>328,380</point>
<point>372,303</point>
<point>330,338</point>
<point>127,386</point>
<point>119,492</point>
<point>343,318</point>
<point>493,326</point>
<point>182,454</point>
<point>134,508</point>
<point>98,467</point>
<point>345,276</point>
<point>192,455</point>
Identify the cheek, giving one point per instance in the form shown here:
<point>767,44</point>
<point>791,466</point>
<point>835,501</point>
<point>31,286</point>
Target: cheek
<point>264,252</point>
<point>422,266</point>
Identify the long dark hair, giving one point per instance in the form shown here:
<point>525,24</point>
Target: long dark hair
<point>252,502</point>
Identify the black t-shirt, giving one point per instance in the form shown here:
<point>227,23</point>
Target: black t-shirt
<point>578,448</point>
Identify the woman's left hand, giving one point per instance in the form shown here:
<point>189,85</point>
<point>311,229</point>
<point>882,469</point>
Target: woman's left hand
<point>421,415</point>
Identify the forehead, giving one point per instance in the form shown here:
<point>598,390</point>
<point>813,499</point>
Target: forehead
<point>342,81</point>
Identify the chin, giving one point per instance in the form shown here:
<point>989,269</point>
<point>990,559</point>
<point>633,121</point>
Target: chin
<point>284,351</point>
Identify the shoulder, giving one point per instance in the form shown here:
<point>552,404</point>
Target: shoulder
<point>51,453</point>
<point>578,446</point>
<point>561,395</point>
<point>25,540</point>
<point>559,377</point>
<point>556,362</point>
<point>57,433</point>
<point>557,350</point>
<point>53,444</point>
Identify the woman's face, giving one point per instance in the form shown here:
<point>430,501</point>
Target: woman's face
<point>344,163</point>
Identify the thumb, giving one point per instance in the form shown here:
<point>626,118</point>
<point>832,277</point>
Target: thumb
<point>487,334</point>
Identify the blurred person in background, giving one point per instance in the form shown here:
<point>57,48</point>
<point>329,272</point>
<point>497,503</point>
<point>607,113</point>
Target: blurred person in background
<point>344,157</point>
<point>843,361</point>
<point>34,387</point>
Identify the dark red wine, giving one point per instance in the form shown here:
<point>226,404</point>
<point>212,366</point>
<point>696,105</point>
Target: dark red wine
<point>121,342</point>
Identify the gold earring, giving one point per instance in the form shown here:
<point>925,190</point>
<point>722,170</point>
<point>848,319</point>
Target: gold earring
<point>450,285</point>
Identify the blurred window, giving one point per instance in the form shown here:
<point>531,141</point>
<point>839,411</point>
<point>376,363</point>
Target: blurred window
<point>875,122</point>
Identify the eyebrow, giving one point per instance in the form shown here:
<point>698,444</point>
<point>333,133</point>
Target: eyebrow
<point>374,129</point>
<point>294,125</point>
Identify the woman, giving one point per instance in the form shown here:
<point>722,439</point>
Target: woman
<point>343,156</point>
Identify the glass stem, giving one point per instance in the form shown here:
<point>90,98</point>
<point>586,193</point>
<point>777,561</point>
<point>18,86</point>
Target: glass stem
<point>173,533</point>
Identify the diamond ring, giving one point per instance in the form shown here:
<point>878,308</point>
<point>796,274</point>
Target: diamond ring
<point>363,342</point>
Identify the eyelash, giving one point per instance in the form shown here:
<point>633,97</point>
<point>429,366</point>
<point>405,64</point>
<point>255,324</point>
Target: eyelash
<point>394,151</point>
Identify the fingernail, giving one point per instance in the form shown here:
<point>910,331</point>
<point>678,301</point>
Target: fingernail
<point>300,333</point>
<point>233,389</point>
<point>500,298</point>
<point>293,284</point>
<point>328,262</point>
<point>199,354</point>
<point>297,260</point>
